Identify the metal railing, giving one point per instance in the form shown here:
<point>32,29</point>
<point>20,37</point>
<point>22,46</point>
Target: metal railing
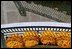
<point>41,10</point>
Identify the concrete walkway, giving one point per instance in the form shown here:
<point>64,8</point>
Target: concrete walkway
<point>10,14</point>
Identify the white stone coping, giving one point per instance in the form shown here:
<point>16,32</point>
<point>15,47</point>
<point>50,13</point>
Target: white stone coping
<point>58,24</point>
